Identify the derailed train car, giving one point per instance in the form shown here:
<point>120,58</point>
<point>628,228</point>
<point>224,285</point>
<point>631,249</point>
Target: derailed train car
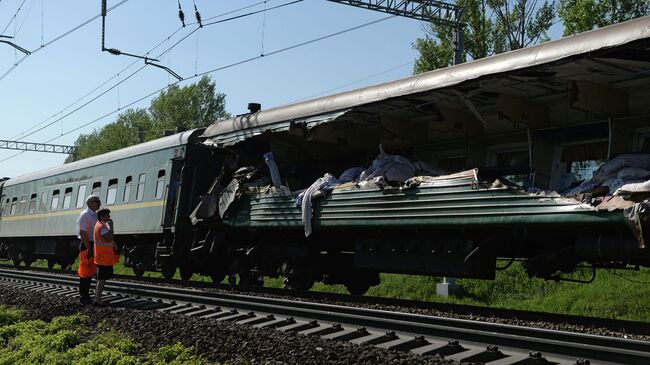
<point>476,151</point>
<point>542,116</point>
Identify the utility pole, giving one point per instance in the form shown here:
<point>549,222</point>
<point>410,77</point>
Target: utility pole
<point>437,12</point>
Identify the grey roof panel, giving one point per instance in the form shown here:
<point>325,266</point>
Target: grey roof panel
<point>583,43</point>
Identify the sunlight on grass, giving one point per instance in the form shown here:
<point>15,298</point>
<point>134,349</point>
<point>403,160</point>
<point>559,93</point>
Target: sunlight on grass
<point>617,295</point>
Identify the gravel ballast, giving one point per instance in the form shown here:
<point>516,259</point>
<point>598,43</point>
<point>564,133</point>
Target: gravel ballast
<point>215,341</point>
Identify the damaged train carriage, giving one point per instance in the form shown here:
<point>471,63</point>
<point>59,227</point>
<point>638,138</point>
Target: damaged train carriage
<point>474,156</point>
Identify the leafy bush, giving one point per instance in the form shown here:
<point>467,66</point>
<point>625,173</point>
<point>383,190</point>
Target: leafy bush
<point>59,342</point>
<point>9,315</point>
<point>176,354</point>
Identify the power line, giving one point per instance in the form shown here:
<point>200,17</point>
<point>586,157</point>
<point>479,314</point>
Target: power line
<point>25,19</point>
<point>13,17</point>
<point>226,20</point>
<point>350,83</point>
<point>59,38</point>
<point>222,68</point>
<point>347,30</point>
<point>233,11</point>
<point>133,63</point>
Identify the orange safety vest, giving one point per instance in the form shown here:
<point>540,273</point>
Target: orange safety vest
<point>87,267</point>
<point>104,253</point>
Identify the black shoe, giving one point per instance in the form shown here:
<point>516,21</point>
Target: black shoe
<point>98,304</point>
<point>85,300</point>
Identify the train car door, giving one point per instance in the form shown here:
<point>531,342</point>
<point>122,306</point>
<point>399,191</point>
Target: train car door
<point>173,192</point>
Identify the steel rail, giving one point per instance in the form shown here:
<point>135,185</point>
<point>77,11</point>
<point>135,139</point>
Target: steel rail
<point>614,325</point>
<point>417,333</point>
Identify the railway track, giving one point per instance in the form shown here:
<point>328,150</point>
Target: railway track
<point>456,339</point>
<point>622,327</point>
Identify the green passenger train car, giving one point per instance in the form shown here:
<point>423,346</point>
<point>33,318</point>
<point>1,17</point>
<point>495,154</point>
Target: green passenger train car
<point>149,189</point>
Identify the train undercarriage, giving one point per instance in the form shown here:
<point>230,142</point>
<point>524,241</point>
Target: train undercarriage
<point>341,257</point>
<point>350,257</point>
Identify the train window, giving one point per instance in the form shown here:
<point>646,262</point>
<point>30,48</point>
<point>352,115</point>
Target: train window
<point>81,196</point>
<point>160,184</point>
<point>5,205</point>
<point>139,192</point>
<point>43,206</point>
<point>23,204</point>
<point>127,190</point>
<point>14,204</point>
<point>55,200</point>
<point>111,192</point>
<point>97,188</point>
<point>32,204</point>
<point>67,198</point>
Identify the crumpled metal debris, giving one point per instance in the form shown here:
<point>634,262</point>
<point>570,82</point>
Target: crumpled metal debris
<point>637,218</point>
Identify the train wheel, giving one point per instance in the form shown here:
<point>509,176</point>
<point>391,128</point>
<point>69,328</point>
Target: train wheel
<point>301,280</point>
<point>245,278</point>
<point>186,272</point>
<point>26,258</point>
<point>217,277</point>
<point>168,272</point>
<point>358,287</point>
<point>138,271</point>
<point>16,261</point>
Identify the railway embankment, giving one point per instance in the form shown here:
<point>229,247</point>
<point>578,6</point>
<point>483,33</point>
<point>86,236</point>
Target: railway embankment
<point>215,341</point>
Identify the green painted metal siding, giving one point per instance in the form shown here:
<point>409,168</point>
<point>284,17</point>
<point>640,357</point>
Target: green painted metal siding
<point>456,204</point>
<point>143,216</point>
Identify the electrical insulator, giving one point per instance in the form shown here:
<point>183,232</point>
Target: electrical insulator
<point>198,16</point>
<point>181,15</point>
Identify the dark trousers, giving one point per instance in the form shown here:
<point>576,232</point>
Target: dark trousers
<point>84,287</point>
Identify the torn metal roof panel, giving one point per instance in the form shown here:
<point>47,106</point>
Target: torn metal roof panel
<point>620,51</point>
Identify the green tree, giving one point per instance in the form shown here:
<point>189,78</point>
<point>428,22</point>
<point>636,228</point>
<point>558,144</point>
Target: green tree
<point>583,15</point>
<point>493,26</point>
<point>193,106</point>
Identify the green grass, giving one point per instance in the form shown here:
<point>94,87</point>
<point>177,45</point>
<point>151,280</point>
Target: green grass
<point>616,295</point>
<point>65,340</point>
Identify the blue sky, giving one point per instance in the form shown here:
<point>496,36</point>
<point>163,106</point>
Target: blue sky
<point>47,83</point>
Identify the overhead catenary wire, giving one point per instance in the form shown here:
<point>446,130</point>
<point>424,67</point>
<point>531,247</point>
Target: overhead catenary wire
<point>61,36</point>
<point>25,18</point>
<point>42,22</point>
<point>243,61</point>
<point>223,68</point>
<point>168,49</point>
<point>351,83</point>
<point>234,11</point>
<point>263,29</point>
<point>13,17</point>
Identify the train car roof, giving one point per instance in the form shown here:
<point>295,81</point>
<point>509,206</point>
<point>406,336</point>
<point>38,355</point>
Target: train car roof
<point>177,139</point>
<point>618,39</point>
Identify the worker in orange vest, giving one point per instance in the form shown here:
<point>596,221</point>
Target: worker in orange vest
<point>87,268</point>
<point>106,253</point>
